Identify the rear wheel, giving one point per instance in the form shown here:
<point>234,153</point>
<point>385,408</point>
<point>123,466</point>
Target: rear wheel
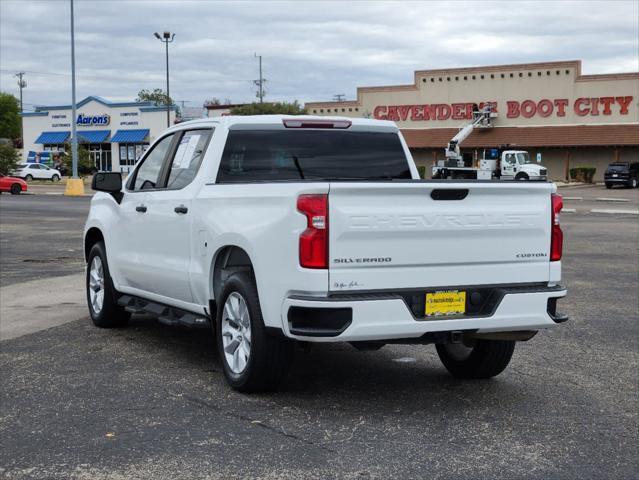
<point>16,189</point>
<point>252,359</point>
<point>103,308</point>
<point>485,359</point>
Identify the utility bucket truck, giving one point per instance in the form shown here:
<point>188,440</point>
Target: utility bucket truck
<point>501,163</point>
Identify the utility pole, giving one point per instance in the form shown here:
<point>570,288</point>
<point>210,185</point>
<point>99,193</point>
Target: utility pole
<point>22,84</point>
<point>339,97</point>
<point>260,82</point>
<point>74,137</point>
<point>167,38</point>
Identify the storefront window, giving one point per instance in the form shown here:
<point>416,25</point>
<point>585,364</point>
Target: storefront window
<point>131,152</point>
<point>53,147</point>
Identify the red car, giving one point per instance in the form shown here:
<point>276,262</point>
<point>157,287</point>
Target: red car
<point>12,184</point>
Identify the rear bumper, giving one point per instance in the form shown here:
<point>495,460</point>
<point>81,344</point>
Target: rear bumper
<point>387,317</point>
<point>617,179</point>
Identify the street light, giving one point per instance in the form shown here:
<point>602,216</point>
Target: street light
<point>166,38</point>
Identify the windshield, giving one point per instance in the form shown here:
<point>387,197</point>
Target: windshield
<point>272,155</point>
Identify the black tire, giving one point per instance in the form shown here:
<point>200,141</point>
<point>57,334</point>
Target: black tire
<point>608,185</point>
<point>111,314</point>
<point>29,178</point>
<point>16,189</point>
<point>270,355</point>
<point>521,176</point>
<point>486,359</point>
<point>632,183</point>
<point>55,178</point>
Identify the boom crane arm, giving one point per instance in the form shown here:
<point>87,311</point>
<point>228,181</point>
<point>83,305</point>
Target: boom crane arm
<point>482,118</point>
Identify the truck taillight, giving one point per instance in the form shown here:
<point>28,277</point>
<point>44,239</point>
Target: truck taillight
<point>314,240</point>
<point>556,236</point>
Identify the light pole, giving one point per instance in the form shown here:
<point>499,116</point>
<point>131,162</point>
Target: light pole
<point>166,38</point>
<point>75,185</point>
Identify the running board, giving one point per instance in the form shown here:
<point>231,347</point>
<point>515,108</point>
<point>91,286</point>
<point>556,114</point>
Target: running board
<point>166,315</point>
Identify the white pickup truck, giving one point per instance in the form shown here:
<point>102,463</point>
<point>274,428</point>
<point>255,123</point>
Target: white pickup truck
<point>279,229</point>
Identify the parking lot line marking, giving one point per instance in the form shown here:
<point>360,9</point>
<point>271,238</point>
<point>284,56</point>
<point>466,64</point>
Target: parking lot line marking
<point>617,212</point>
<point>573,198</point>
<point>568,210</point>
<point>611,199</point>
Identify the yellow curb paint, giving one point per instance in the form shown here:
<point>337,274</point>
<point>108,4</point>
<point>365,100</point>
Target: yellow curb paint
<point>74,187</point>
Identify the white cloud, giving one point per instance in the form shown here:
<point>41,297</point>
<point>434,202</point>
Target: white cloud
<point>311,50</point>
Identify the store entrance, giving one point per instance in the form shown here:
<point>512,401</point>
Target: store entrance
<point>100,154</point>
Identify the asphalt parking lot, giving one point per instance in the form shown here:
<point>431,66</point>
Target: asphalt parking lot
<point>150,401</point>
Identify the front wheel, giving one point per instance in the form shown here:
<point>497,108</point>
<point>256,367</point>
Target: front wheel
<point>28,178</point>
<point>252,359</point>
<point>633,183</point>
<point>485,359</point>
<point>608,185</point>
<point>16,189</point>
<point>521,176</point>
<point>55,178</point>
<point>103,308</point>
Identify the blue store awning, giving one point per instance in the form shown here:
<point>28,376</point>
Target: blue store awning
<point>93,136</point>
<point>130,136</point>
<point>52,137</point>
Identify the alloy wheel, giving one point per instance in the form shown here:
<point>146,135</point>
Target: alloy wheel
<point>96,285</point>
<point>236,333</point>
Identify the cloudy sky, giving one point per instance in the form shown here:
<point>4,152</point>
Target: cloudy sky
<point>312,50</point>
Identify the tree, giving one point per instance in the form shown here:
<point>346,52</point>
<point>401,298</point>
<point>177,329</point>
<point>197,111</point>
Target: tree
<point>157,96</point>
<point>9,116</point>
<point>269,108</point>
<point>85,165</point>
<point>8,158</point>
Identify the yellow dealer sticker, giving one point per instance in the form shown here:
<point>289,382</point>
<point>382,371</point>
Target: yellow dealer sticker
<point>452,302</point>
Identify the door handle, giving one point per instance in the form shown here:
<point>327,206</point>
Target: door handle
<point>181,209</point>
<point>140,208</point>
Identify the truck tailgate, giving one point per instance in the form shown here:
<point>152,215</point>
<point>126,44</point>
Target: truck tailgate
<point>395,235</point>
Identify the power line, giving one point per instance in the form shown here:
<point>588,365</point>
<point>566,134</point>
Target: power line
<point>35,73</point>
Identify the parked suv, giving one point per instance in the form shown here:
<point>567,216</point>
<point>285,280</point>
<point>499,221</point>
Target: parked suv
<point>622,173</point>
<point>274,230</point>
<point>37,171</point>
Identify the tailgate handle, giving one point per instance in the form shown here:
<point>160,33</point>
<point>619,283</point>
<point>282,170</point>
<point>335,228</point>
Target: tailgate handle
<point>449,194</point>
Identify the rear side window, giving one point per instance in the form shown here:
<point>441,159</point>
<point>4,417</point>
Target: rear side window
<point>188,158</point>
<point>279,155</point>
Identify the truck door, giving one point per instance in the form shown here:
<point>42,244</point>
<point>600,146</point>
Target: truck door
<point>508,166</point>
<point>169,218</point>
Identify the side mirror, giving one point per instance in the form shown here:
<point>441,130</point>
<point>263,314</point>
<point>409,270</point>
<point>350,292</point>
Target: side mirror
<point>107,182</point>
<point>110,182</point>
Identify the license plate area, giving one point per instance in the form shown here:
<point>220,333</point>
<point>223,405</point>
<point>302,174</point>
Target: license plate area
<point>480,302</point>
<point>445,303</point>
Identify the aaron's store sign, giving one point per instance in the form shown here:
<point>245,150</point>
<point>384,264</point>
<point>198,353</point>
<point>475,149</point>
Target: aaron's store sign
<point>549,109</point>
<point>114,133</point>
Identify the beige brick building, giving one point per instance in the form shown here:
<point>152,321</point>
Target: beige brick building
<point>548,108</point>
